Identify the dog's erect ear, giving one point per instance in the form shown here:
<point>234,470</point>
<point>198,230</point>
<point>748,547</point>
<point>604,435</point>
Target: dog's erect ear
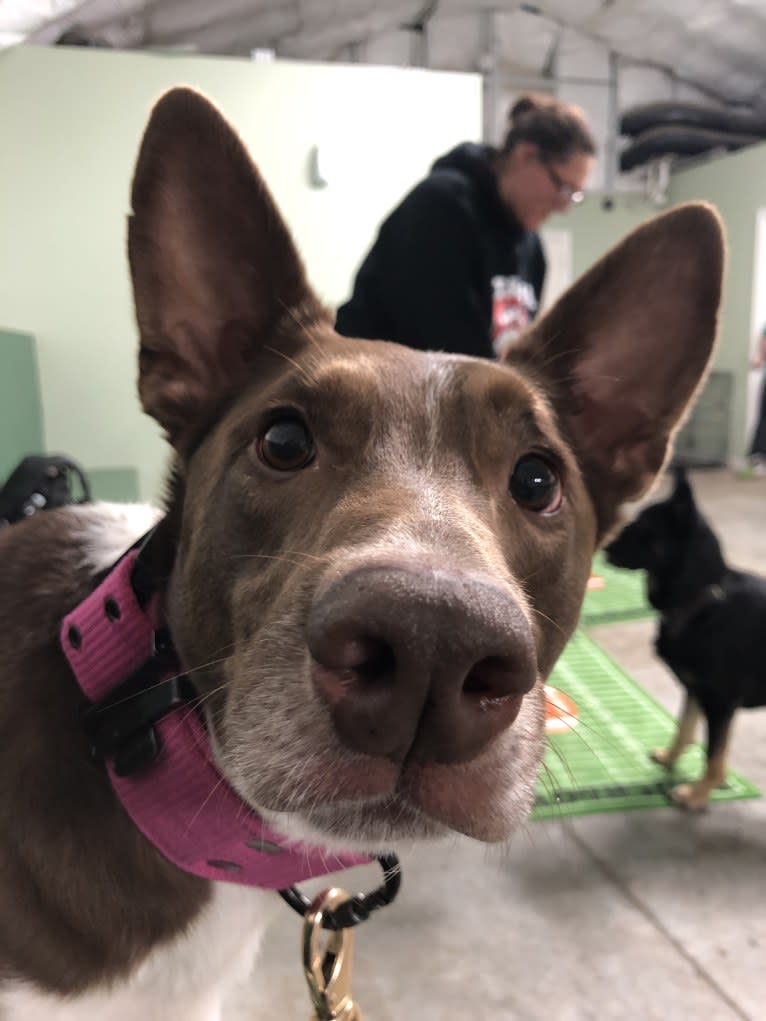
<point>214,267</point>
<point>679,476</point>
<point>682,499</point>
<point>681,488</point>
<point>624,350</point>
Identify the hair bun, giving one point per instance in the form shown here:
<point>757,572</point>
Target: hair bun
<point>530,102</point>
<point>558,129</point>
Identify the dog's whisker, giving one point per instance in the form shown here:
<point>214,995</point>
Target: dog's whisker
<point>266,556</point>
<point>548,781</point>
<point>549,619</point>
<point>576,728</point>
<point>171,679</point>
<point>277,556</point>
<point>195,704</point>
<point>221,780</point>
<point>280,558</point>
<point>559,755</point>
<point>546,363</point>
<point>306,378</point>
<point>299,322</point>
<point>528,577</point>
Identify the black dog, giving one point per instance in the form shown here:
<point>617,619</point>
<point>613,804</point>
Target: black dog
<point>712,624</point>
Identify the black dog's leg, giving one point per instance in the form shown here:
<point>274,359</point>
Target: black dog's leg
<point>687,725</point>
<point>696,796</point>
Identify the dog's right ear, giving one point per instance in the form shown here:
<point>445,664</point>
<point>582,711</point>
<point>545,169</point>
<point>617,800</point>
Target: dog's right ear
<point>623,352</point>
<point>214,267</point>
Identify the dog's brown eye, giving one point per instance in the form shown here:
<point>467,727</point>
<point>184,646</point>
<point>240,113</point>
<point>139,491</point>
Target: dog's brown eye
<point>535,484</point>
<point>286,445</point>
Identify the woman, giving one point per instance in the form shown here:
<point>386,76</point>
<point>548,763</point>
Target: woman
<point>458,266</point>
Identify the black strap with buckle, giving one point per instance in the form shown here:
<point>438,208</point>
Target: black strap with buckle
<point>121,726</point>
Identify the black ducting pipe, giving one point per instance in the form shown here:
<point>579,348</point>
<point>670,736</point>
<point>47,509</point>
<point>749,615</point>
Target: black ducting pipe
<point>639,119</point>
<point>679,140</point>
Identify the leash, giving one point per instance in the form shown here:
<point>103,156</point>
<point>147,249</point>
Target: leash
<point>141,721</point>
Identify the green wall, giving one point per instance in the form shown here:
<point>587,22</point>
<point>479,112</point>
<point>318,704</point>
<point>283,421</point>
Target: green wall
<point>21,417</point>
<point>71,122</point>
<point>595,229</point>
<point>736,185</point>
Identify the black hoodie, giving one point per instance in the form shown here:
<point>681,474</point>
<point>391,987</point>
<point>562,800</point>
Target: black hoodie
<point>452,269</point>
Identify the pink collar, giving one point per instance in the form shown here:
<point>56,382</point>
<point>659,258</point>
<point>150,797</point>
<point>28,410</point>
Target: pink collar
<point>172,790</point>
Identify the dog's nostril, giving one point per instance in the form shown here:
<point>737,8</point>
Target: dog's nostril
<point>493,679</point>
<point>359,657</point>
<point>360,665</point>
<point>479,682</point>
<point>377,663</point>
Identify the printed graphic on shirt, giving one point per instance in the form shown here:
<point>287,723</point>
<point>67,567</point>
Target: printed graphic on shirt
<point>513,305</point>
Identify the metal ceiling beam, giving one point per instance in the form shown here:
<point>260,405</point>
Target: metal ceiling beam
<point>418,29</point>
<point>488,68</point>
<point>627,58</point>
<point>327,37</point>
<point>25,16</point>
<point>723,58</point>
<point>181,21</point>
<point>87,12</point>
<point>215,30</point>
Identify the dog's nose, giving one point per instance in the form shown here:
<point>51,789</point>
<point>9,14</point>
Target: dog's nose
<point>421,662</point>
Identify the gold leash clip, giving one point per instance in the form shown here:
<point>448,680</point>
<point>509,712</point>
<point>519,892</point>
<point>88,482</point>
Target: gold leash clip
<point>328,968</point>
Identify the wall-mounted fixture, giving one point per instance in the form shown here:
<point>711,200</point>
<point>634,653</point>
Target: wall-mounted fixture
<point>320,173</point>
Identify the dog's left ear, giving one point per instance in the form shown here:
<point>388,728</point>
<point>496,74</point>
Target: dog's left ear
<point>214,267</point>
<point>624,350</point>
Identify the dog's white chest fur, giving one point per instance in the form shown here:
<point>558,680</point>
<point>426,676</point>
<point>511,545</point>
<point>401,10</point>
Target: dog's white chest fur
<point>186,980</point>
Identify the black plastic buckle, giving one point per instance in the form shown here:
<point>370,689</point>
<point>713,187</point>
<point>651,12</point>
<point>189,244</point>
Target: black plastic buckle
<point>121,726</point>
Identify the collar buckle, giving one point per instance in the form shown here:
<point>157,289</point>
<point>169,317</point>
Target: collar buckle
<point>121,726</point>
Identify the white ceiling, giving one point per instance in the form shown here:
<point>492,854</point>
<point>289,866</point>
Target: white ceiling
<point>717,46</point>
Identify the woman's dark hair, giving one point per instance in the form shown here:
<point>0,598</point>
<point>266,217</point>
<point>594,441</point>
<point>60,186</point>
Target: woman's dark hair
<point>558,129</point>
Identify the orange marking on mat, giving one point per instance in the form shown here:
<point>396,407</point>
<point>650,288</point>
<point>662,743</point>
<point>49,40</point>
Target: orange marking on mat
<point>561,712</point>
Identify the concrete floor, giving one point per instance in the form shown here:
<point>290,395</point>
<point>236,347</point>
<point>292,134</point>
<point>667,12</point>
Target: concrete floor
<point>647,915</point>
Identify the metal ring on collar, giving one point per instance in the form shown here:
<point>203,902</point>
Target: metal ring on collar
<point>360,906</point>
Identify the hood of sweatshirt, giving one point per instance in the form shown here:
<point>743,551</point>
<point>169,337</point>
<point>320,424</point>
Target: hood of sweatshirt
<point>477,163</point>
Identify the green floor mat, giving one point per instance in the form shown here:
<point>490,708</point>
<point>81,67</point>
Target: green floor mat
<point>621,597</point>
<point>599,763</point>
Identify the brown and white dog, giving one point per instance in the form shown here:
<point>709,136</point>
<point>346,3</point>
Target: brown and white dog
<point>369,560</point>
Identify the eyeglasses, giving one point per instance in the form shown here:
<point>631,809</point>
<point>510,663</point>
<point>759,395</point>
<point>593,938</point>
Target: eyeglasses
<point>566,192</point>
